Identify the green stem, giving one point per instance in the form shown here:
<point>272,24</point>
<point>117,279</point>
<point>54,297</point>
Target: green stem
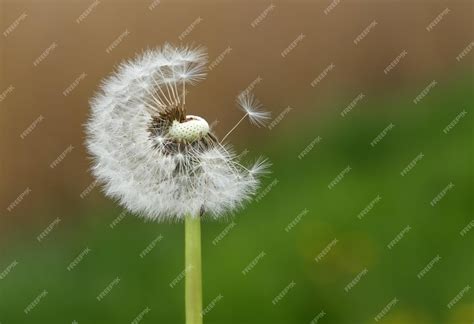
<point>193,270</point>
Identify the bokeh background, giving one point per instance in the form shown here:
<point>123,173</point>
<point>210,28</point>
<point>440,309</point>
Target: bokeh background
<point>347,229</point>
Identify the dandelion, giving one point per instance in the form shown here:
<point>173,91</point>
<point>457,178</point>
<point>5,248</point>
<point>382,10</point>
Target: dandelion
<point>162,164</point>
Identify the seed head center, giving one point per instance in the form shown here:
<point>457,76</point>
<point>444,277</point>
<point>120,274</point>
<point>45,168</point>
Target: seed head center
<point>192,129</point>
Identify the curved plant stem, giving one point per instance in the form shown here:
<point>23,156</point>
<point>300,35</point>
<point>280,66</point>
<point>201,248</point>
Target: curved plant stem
<point>193,270</point>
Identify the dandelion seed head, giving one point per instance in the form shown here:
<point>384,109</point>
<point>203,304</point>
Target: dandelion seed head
<point>150,155</point>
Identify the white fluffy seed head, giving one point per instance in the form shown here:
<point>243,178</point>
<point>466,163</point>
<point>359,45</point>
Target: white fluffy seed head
<point>150,156</point>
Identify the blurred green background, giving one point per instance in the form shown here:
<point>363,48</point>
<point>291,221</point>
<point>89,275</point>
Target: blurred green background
<point>288,256</point>
<point>260,264</point>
